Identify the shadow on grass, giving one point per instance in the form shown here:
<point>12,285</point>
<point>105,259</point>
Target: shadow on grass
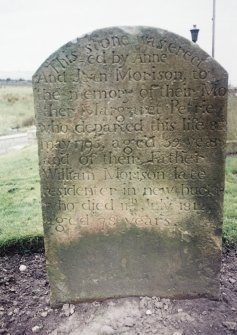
<point>23,246</point>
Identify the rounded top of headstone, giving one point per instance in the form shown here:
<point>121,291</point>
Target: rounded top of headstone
<point>135,36</point>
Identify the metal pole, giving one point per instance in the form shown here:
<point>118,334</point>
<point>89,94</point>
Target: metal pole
<point>213,28</point>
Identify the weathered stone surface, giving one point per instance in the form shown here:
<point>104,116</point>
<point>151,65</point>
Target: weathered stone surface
<point>131,126</point>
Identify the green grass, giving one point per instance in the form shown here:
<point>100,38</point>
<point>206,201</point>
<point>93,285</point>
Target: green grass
<point>16,108</point>
<point>230,203</point>
<point>20,212</point>
<point>232,118</point>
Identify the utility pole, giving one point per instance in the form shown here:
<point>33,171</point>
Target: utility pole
<point>213,28</point>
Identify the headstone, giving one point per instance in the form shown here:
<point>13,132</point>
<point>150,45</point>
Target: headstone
<point>131,126</point>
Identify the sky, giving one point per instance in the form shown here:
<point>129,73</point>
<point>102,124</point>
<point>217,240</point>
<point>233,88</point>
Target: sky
<point>30,30</point>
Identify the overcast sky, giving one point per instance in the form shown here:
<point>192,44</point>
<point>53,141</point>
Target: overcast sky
<point>30,30</point>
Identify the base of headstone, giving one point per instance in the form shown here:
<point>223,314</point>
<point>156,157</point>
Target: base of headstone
<point>133,263</point>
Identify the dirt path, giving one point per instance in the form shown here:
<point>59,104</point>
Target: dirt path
<point>25,309</point>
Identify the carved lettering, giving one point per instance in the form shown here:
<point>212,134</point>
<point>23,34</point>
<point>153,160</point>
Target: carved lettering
<point>131,126</point>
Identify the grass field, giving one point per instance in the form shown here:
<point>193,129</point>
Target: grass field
<point>232,118</point>
<point>230,203</point>
<point>20,212</point>
<point>16,108</point>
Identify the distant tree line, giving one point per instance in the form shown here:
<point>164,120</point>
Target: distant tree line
<point>20,81</point>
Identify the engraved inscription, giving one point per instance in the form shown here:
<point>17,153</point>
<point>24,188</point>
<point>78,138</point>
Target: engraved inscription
<point>131,126</point>
<point>111,125</point>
